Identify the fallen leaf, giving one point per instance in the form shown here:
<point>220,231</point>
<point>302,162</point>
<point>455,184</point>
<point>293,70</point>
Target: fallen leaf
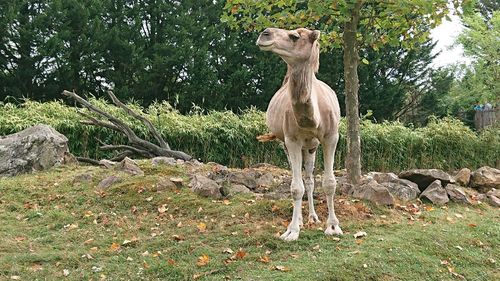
<point>316,248</point>
<point>282,268</point>
<point>359,241</point>
<point>133,240</point>
<point>200,209</point>
<point>20,238</point>
<point>145,264</point>
<point>114,247</point>
<point>130,259</point>
<point>162,209</point>
<point>460,216</point>
<point>264,259</point>
<point>171,262</point>
<point>460,248</point>
<point>149,199</point>
<point>365,265</point>
<point>146,253</point>
<point>202,227</point>
<point>360,234</point>
<point>239,255</point>
<point>203,260</point>
<point>228,251</point>
<point>65,272</point>
<point>177,238</point>
<point>226,202</point>
<point>179,224</point>
<point>429,208</point>
<point>472,225</point>
<point>275,208</point>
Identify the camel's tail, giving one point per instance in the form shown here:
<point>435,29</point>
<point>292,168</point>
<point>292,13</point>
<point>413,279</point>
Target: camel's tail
<point>266,137</point>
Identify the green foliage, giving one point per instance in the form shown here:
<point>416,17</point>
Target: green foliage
<point>228,138</point>
<point>481,80</point>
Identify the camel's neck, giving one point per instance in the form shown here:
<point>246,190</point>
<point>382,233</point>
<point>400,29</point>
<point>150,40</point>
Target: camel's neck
<point>300,81</point>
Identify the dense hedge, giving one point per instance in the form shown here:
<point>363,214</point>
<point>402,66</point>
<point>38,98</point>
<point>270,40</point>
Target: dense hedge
<point>227,138</point>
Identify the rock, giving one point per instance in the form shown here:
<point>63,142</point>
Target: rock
<point>109,181</point>
<point>107,163</point>
<point>129,166</point>
<point>163,160</point>
<point>463,177</point>
<point>165,184</point>
<point>424,177</point>
<point>456,194</point>
<point>34,149</point>
<point>373,192</point>
<point>82,178</point>
<point>265,180</point>
<point>179,182</point>
<point>238,188</point>
<point>493,200</point>
<point>404,190</point>
<point>245,177</point>
<point>382,177</point>
<point>282,191</point>
<point>485,178</point>
<point>494,192</point>
<point>70,159</point>
<point>436,193</point>
<point>206,187</point>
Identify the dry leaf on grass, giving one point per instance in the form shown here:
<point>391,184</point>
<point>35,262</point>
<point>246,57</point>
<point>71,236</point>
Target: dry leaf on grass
<point>360,234</point>
<point>281,268</point>
<point>203,260</point>
<point>114,247</point>
<point>202,227</point>
<point>239,255</point>
<point>264,259</point>
<point>162,209</point>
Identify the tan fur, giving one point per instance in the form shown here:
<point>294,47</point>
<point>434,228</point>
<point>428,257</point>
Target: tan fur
<point>306,99</point>
<point>303,113</point>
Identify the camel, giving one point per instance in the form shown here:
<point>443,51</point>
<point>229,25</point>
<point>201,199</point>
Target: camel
<point>303,113</point>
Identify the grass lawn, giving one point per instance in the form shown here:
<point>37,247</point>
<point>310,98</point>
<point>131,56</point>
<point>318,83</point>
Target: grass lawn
<point>51,228</point>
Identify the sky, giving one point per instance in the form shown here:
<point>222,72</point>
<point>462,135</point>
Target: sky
<point>445,35</point>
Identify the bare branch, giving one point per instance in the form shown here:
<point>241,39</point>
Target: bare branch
<point>146,122</point>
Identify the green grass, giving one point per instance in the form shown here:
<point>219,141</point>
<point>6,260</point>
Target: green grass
<point>48,224</point>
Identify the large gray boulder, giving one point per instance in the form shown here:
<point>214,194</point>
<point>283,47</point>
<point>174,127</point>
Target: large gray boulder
<point>463,177</point>
<point>402,189</point>
<point>373,192</point>
<point>206,187</point>
<point>485,178</point>
<point>34,149</point>
<point>436,193</point>
<point>457,194</point>
<point>424,177</point>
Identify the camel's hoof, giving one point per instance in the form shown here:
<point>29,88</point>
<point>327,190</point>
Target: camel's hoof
<point>290,235</point>
<point>313,219</point>
<point>335,231</point>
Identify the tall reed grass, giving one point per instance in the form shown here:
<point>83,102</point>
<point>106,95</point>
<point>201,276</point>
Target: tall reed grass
<point>229,139</point>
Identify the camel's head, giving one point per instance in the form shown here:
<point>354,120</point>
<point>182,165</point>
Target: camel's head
<point>294,46</point>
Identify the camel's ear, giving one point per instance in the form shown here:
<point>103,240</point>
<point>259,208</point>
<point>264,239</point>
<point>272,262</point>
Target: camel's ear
<point>314,35</point>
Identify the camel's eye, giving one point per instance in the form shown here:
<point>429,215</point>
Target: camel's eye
<point>294,36</point>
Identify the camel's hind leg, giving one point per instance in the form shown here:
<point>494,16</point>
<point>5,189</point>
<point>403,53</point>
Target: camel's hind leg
<point>330,184</point>
<point>297,188</point>
<point>309,159</point>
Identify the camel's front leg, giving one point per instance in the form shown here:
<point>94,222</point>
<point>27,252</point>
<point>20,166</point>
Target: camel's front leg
<point>330,184</point>
<point>297,189</point>
<point>309,158</point>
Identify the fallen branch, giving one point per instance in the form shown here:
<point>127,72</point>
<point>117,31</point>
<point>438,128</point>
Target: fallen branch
<point>136,146</point>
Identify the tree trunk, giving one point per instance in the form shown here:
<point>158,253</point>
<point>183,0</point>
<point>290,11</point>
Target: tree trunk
<point>351,60</point>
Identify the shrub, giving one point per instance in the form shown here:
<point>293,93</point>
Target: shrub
<point>228,138</point>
